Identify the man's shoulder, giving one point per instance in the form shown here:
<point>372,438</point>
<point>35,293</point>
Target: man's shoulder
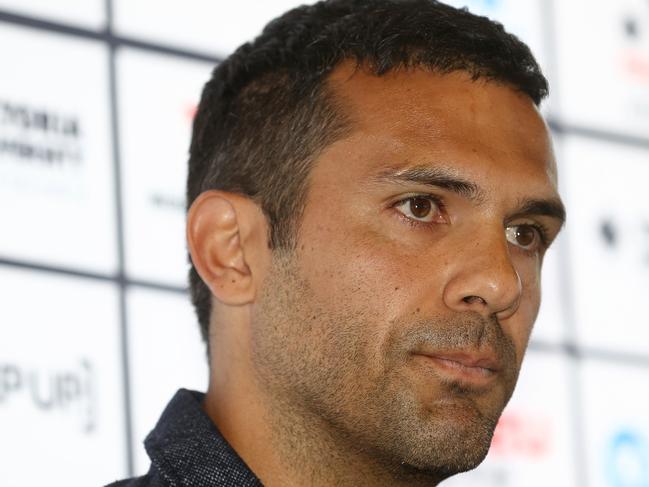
<point>134,482</point>
<point>186,448</point>
<point>151,479</point>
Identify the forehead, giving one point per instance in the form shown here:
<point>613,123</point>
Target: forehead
<point>480,127</point>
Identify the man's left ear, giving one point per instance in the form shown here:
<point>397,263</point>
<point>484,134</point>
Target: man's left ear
<point>227,239</point>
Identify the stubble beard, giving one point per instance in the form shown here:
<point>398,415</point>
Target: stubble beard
<point>333,398</point>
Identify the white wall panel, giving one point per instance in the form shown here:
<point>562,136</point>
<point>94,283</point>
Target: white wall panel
<point>56,167</point>
<point>616,419</point>
<point>61,396</point>
<point>603,63</point>
<point>90,14</point>
<point>609,242</point>
<point>158,96</point>
<point>215,27</point>
<point>165,353</point>
<point>551,325</point>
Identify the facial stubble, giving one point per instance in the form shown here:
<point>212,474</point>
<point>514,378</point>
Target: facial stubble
<point>339,387</point>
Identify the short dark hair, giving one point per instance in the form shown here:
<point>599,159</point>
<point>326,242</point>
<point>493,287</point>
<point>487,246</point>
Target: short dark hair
<point>267,111</point>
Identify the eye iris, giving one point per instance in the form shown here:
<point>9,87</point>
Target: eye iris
<point>525,235</point>
<point>420,207</point>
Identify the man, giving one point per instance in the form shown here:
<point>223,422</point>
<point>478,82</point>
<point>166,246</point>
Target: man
<point>372,190</point>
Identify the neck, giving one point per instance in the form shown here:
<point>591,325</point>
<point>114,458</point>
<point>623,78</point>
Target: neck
<point>287,446</point>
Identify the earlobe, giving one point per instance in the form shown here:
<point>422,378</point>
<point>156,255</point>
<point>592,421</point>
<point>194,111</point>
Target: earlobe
<point>218,230</point>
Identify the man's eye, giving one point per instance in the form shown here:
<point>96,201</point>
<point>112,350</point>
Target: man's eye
<point>419,208</point>
<point>528,237</point>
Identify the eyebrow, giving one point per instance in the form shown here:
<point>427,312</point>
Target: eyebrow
<point>441,177</point>
<point>543,207</point>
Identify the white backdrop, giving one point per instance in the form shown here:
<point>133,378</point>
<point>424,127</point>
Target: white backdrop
<point>96,328</point>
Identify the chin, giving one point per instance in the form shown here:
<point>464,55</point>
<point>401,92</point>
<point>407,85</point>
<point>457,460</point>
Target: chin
<point>452,452</point>
<point>443,442</point>
<point>440,463</point>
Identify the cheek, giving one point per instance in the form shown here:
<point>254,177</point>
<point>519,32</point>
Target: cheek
<point>360,268</point>
<point>362,287</point>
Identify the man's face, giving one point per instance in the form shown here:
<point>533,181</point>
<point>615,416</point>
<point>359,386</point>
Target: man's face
<point>400,321</point>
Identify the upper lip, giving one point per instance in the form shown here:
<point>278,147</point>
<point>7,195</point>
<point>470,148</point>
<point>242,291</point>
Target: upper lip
<point>468,359</point>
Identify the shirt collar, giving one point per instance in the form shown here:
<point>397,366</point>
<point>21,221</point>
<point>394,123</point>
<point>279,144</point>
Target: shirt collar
<point>187,449</point>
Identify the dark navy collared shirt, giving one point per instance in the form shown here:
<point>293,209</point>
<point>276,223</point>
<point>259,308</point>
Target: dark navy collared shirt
<point>186,449</point>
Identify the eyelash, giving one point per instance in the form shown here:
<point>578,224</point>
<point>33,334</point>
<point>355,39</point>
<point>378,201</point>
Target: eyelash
<point>436,200</point>
<point>541,229</point>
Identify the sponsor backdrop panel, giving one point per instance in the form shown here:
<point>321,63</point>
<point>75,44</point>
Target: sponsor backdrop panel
<point>61,394</point>
<point>165,354</point>
<point>609,242</point>
<point>157,100</point>
<point>213,27</point>
<point>56,169</point>
<point>616,399</point>
<point>533,444</point>
<point>90,14</point>
<point>603,78</point>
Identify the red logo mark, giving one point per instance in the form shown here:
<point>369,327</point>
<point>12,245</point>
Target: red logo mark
<point>521,435</point>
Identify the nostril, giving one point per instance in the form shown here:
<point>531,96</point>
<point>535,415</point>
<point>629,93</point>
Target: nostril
<point>473,299</point>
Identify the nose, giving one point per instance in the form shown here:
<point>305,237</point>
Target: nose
<point>484,280</point>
